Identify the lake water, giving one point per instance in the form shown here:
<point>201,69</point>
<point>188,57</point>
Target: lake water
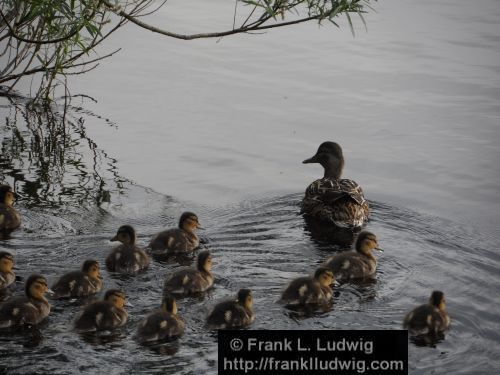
<point>220,127</point>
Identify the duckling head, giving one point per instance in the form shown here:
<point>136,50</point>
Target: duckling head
<point>91,268</point>
<point>116,297</point>
<point>437,299</point>
<point>6,262</point>
<point>125,234</point>
<point>189,222</point>
<point>366,242</point>
<point>204,261</point>
<point>169,304</point>
<point>36,286</point>
<point>7,196</point>
<point>330,156</point>
<point>324,276</point>
<point>245,298</point>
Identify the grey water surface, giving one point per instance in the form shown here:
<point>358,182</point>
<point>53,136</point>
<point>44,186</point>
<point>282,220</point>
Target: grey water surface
<point>221,127</point>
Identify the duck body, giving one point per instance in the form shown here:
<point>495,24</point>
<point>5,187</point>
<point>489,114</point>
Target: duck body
<point>191,280</point>
<point>7,276</point>
<point>181,240</point>
<point>307,291</point>
<point>232,313</point>
<point>103,315</point>
<point>428,319</point>
<point>158,326</point>
<point>126,257</point>
<point>28,310</point>
<point>9,217</point>
<point>76,284</point>
<point>333,200</point>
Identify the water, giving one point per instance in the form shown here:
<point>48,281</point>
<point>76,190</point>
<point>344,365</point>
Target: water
<point>226,124</point>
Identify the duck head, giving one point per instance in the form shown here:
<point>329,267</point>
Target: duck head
<point>189,222</point>
<point>245,298</point>
<point>6,262</point>
<point>91,268</point>
<point>36,287</point>
<point>169,304</point>
<point>7,196</point>
<point>366,242</point>
<point>116,297</point>
<point>437,299</point>
<point>324,276</point>
<point>125,234</point>
<point>330,156</point>
<point>204,261</point>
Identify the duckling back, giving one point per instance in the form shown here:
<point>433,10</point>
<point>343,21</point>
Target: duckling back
<point>75,285</point>
<point>229,314</point>
<point>9,218</point>
<point>426,319</point>
<point>100,315</point>
<point>305,290</point>
<point>160,325</point>
<point>127,259</point>
<point>22,311</point>
<point>188,281</point>
<point>351,265</point>
<point>173,241</point>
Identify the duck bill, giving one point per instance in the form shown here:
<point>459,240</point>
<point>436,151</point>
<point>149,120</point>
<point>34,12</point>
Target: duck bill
<point>379,249</point>
<point>114,239</point>
<point>50,292</point>
<point>314,159</point>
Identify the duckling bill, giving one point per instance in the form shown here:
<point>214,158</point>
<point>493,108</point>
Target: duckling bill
<point>235,313</point>
<point>337,201</point>
<point>179,240</point>
<point>9,217</point>
<point>127,257</point>
<point>82,283</point>
<point>28,310</point>
<point>191,280</point>
<point>428,319</point>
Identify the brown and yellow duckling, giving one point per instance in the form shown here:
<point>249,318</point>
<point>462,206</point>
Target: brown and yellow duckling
<point>179,240</point>
<point>191,280</point>
<point>331,199</point>
<point>103,315</point>
<point>9,217</point>
<point>161,324</point>
<point>235,313</point>
<point>127,257</point>
<point>28,310</point>
<point>428,319</point>
<point>356,264</point>
<point>310,290</point>
<point>7,276</point>
<point>82,283</point>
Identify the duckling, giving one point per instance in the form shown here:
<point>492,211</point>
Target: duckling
<point>161,324</point>
<point>7,276</point>
<point>27,310</point>
<point>430,318</point>
<point>81,283</point>
<point>331,199</point>
<point>9,217</point>
<point>103,315</point>
<point>233,313</point>
<point>310,290</point>
<point>355,264</point>
<point>127,257</point>
<point>179,240</point>
<point>191,280</point>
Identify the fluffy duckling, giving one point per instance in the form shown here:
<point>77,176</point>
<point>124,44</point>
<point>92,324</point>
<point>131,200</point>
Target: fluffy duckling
<point>9,217</point>
<point>310,290</point>
<point>162,324</point>
<point>332,199</point>
<point>191,280</point>
<point>7,276</point>
<point>127,257</point>
<point>233,313</point>
<point>81,283</point>
<point>355,264</point>
<point>179,240</point>
<point>28,310</point>
<point>428,319</point>
<point>103,315</point>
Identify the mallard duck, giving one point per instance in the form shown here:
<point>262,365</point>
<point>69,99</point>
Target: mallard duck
<point>191,280</point>
<point>28,310</point>
<point>81,283</point>
<point>332,199</point>
<point>310,290</point>
<point>161,324</point>
<point>9,217</point>
<point>356,264</point>
<point>7,276</point>
<point>179,240</point>
<point>103,315</point>
<point>428,319</point>
<point>126,257</point>
<point>233,313</point>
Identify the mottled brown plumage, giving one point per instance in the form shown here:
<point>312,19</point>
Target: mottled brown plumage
<point>191,280</point>
<point>234,313</point>
<point>428,319</point>
<point>309,290</point>
<point>82,283</point>
<point>127,257</point>
<point>179,240</point>
<point>7,276</point>
<point>9,217</point>
<point>332,199</point>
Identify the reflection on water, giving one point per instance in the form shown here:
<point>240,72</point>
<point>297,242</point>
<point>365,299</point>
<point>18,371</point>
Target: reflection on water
<point>49,159</point>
